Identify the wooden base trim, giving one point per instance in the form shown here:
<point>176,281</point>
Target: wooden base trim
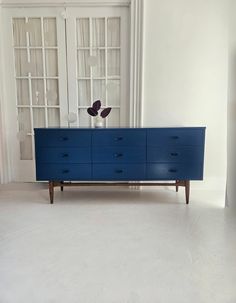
<point>177,183</point>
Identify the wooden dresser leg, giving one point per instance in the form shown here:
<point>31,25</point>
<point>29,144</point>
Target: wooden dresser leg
<point>51,191</point>
<point>177,187</point>
<point>187,190</point>
<point>61,185</point>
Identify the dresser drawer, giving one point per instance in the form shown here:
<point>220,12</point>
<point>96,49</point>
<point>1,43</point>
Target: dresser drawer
<point>175,154</point>
<point>175,136</point>
<point>174,171</point>
<point>62,138</point>
<point>65,172</point>
<point>118,154</point>
<point>127,137</point>
<point>119,172</point>
<point>63,155</point>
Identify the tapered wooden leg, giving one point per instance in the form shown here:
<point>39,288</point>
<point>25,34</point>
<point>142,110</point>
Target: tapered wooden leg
<point>187,190</point>
<point>61,185</point>
<point>51,191</point>
<point>177,187</point>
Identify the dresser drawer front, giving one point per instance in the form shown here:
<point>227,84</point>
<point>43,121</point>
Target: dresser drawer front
<point>118,154</point>
<point>65,172</point>
<point>62,138</point>
<point>117,137</point>
<point>176,136</point>
<point>174,171</point>
<point>119,172</point>
<point>64,155</point>
<point>175,154</point>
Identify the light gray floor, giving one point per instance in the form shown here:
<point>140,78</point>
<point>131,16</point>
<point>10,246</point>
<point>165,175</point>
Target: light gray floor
<point>114,246</point>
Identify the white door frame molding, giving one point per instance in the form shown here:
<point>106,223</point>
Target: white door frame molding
<point>63,3</point>
<point>136,66</point>
<point>136,62</point>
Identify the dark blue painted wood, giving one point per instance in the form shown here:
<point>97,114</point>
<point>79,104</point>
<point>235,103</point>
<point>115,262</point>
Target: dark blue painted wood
<point>119,137</point>
<point>190,154</point>
<point>62,137</point>
<point>66,172</point>
<point>64,155</point>
<point>118,154</point>
<point>174,171</point>
<point>175,136</point>
<point>127,171</point>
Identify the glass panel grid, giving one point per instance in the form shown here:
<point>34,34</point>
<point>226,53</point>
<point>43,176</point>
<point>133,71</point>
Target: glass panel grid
<point>98,66</point>
<point>36,73</point>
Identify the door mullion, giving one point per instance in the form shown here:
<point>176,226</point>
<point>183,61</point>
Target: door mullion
<point>31,114</point>
<point>106,103</point>
<point>44,75</point>
<point>71,67</point>
<point>30,91</point>
<point>90,68</point>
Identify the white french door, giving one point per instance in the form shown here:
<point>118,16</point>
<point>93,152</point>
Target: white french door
<point>59,61</point>
<point>98,66</point>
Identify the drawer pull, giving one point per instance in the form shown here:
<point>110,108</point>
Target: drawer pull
<point>65,138</point>
<point>119,171</point>
<point>118,155</point>
<point>172,170</point>
<point>65,171</point>
<point>118,138</point>
<point>174,154</point>
<point>175,137</point>
<point>65,156</point>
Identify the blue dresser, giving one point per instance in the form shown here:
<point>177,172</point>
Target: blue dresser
<point>119,155</point>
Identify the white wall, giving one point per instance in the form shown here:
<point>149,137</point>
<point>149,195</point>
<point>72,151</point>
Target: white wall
<point>185,74</point>
<point>231,173</point>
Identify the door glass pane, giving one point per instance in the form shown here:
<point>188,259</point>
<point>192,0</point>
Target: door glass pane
<point>113,120</point>
<point>24,121</point>
<point>113,32</point>
<point>26,149</point>
<point>22,92</point>
<point>21,62</point>
<point>50,31</point>
<point>82,32</point>
<point>19,32</point>
<point>37,91</point>
<point>82,61</point>
<point>36,62</point>
<point>51,62</point>
<point>53,117</point>
<point>113,62</point>
<point>98,29</point>
<point>113,92</point>
<point>84,118</point>
<point>39,117</point>
<point>99,68</point>
<point>99,90</point>
<point>84,92</point>
<point>35,34</point>
<point>52,93</point>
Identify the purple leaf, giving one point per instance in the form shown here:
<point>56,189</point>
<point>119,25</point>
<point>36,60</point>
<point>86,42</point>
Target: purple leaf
<point>105,112</point>
<point>97,105</point>
<point>92,112</point>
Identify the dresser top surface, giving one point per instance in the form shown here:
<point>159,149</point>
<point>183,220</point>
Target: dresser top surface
<point>117,128</point>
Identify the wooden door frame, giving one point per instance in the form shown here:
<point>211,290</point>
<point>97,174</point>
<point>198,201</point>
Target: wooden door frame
<point>136,67</point>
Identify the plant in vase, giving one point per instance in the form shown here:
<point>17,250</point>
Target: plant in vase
<point>100,114</point>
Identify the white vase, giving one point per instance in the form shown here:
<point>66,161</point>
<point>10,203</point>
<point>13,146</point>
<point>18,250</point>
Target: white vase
<point>99,122</point>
